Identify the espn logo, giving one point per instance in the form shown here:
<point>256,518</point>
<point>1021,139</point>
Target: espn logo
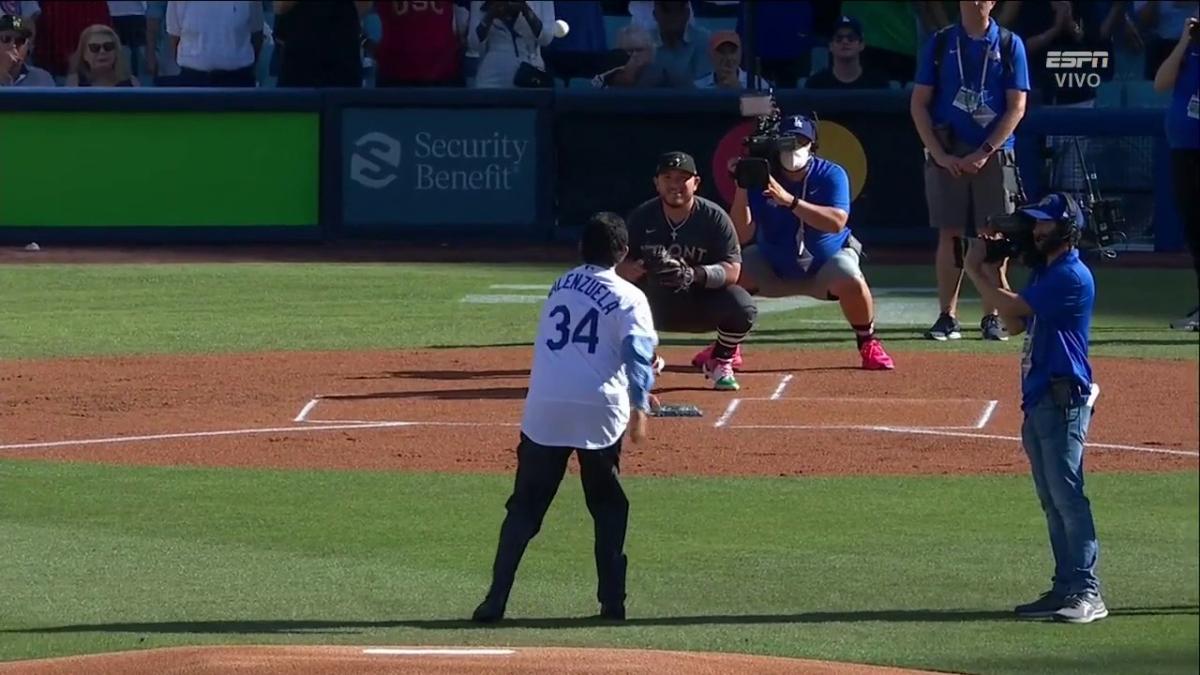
<point>1081,59</point>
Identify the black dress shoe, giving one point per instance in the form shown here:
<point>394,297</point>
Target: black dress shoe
<point>488,612</point>
<point>612,612</point>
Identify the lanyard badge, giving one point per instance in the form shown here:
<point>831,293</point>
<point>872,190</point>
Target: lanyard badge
<point>971,101</point>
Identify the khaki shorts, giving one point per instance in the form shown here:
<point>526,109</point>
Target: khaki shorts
<point>966,202</point>
<point>843,265</point>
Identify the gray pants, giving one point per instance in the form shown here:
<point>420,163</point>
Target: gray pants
<point>966,201</point>
<point>843,265</point>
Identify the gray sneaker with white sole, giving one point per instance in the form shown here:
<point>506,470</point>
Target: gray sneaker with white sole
<point>1082,608</point>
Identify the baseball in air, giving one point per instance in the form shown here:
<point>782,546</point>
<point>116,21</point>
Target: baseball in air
<point>561,28</point>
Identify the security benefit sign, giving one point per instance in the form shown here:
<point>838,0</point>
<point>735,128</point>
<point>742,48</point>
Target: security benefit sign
<point>433,166</point>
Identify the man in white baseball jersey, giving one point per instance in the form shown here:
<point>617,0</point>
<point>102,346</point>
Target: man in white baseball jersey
<point>592,361</point>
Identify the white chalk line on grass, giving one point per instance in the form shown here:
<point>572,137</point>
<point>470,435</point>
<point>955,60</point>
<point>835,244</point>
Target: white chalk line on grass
<point>926,431</point>
<point>396,651</point>
<point>728,414</point>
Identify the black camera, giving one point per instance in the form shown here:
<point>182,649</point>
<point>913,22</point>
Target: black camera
<point>1102,222</point>
<point>764,144</point>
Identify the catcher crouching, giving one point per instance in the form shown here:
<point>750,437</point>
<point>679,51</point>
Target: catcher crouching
<point>685,255</point>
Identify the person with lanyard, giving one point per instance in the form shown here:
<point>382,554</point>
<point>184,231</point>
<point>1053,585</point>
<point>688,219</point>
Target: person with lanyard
<point>1180,74</point>
<point>15,38</point>
<point>971,85</point>
<point>1058,394</point>
<point>802,242</point>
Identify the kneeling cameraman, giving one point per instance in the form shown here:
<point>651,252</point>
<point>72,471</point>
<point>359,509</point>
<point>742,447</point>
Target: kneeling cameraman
<point>1057,391</point>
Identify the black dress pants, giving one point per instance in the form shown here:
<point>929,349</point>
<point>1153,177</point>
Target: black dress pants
<point>540,470</point>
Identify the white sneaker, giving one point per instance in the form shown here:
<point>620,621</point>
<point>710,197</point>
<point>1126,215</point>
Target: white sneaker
<point>659,365</point>
<point>720,371</point>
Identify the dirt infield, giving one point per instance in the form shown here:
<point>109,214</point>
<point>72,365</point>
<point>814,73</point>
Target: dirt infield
<point>430,661</point>
<point>798,413</point>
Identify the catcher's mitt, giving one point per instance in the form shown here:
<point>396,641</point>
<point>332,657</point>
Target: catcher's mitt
<point>668,271</point>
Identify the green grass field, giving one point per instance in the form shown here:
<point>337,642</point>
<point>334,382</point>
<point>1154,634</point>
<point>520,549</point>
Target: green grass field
<point>912,571</point>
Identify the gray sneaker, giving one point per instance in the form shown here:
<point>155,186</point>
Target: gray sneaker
<point>1082,608</point>
<point>993,328</point>
<point>1042,608</point>
<point>945,328</point>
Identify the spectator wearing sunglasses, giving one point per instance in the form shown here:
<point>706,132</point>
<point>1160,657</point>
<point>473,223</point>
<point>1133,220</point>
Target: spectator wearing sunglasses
<point>99,61</point>
<point>58,28</point>
<point>15,35</point>
<point>845,69</point>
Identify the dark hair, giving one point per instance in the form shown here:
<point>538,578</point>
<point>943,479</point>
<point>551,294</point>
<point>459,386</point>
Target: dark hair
<point>605,240</point>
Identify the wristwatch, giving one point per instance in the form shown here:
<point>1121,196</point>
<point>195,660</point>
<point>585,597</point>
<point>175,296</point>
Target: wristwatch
<point>987,147</point>
<point>795,203</point>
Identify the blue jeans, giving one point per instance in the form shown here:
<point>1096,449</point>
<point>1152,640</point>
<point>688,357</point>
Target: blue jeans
<point>1053,437</point>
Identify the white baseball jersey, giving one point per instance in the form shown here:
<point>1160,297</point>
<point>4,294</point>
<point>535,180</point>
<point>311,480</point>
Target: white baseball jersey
<point>578,388</point>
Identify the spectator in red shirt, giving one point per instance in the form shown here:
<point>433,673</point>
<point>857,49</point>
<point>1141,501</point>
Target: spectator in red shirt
<point>58,29</point>
<point>420,44</point>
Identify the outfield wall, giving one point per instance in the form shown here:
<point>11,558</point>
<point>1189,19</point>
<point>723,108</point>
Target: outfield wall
<point>218,166</point>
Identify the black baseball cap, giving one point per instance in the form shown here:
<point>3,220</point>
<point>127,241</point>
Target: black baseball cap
<point>10,23</point>
<point>676,160</point>
<point>851,23</point>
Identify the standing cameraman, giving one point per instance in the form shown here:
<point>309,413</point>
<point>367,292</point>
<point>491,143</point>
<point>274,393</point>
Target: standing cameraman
<point>1180,74</point>
<point>970,93</point>
<point>1057,393</point>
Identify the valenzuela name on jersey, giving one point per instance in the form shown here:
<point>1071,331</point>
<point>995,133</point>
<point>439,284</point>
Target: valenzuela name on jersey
<point>589,286</point>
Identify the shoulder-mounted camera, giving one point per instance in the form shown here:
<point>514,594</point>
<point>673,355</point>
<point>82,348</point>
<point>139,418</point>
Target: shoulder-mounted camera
<point>1088,221</point>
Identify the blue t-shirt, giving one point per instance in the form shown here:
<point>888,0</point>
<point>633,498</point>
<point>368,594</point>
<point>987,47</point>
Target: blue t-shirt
<point>996,83</point>
<point>779,232</point>
<point>1061,295</point>
<point>1183,130</point>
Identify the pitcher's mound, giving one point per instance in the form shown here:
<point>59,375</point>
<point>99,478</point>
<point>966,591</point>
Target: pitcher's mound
<point>428,660</point>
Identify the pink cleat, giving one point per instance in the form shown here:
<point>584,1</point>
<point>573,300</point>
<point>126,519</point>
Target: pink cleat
<point>874,357</point>
<point>706,355</point>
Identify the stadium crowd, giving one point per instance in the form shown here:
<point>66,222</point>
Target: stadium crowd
<point>539,43</point>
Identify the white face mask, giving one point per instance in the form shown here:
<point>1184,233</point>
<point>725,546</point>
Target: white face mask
<point>796,159</point>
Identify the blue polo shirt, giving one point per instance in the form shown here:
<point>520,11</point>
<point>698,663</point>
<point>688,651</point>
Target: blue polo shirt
<point>778,231</point>
<point>946,82</point>
<point>1183,132</point>
<point>1061,295</point>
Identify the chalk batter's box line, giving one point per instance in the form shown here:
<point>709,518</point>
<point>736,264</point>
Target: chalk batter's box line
<point>988,408</point>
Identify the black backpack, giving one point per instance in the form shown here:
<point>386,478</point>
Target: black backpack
<point>1006,50</point>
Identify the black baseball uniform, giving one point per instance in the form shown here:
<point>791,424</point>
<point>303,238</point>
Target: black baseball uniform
<point>705,237</point>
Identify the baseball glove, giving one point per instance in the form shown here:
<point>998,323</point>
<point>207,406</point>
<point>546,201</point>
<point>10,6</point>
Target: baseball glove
<point>668,271</point>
